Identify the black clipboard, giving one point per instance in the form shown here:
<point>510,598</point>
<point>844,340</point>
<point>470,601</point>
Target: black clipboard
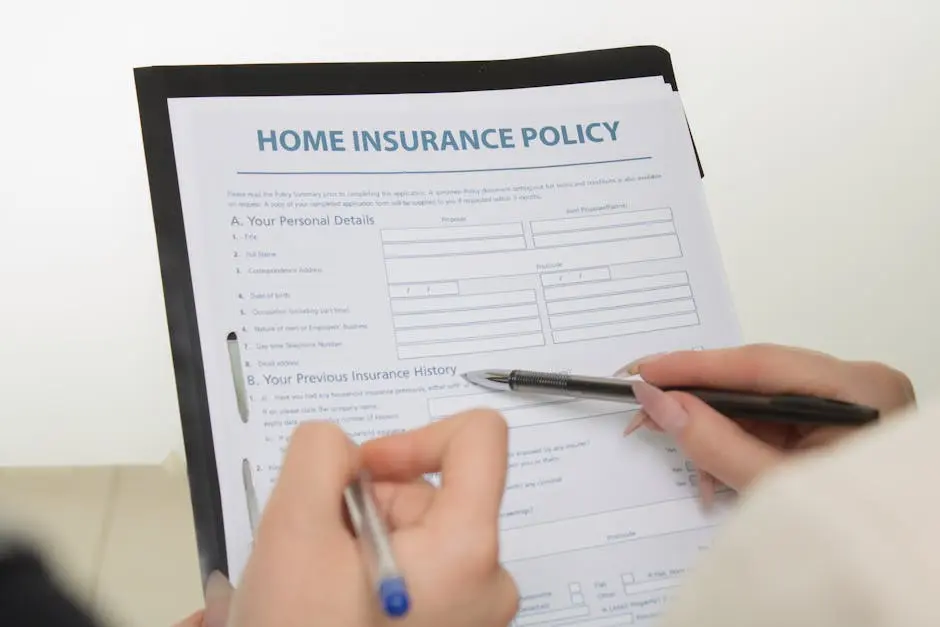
<point>155,85</point>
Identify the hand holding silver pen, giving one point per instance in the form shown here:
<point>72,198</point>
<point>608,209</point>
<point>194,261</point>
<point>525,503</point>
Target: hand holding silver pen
<point>389,582</point>
<point>412,549</point>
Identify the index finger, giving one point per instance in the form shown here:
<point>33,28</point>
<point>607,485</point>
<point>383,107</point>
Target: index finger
<point>470,450</point>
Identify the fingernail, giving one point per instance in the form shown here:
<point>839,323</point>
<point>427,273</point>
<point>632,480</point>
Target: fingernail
<point>638,419</point>
<point>660,407</point>
<point>218,597</point>
<point>633,368</point>
<point>217,587</point>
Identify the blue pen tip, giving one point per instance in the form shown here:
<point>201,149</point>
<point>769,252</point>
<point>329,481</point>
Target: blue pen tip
<point>394,597</point>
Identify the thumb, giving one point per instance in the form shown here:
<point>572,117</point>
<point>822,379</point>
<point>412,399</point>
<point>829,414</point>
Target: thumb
<point>714,443</point>
<point>218,599</point>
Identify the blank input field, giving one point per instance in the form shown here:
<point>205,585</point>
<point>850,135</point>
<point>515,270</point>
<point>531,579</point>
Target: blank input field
<point>500,401</point>
<point>451,303</point>
<point>469,316</point>
<point>613,301</point>
<point>609,234</point>
<point>537,618</point>
<point>601,331</point>
<point>509,283</point>
<point>467,331</point>
<point>494,265</point>
<point>521,410</point>
<point>602,221</point>
<point>466,347</point>
<point>606,528</point>
<point>567,277</point>
<point>622,314</point>
<point>534,415</point>
<point>454,247</point>
<point>451,233</point>
<point>635,284</point>
<point>423,289</point>
<point>650,586</point>
<point>608,620</point>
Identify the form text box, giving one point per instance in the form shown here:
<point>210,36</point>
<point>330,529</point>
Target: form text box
<point>539,618</point>
<point>467,316</point>
<point>492,265</point>
<point>522,410</point>
<point>602,331</point>
<point>461,303</point>
<point>468,331</point>
<point>646,587</point>
<point>622,314</point>
<point>451,233</point>
<point>610,234</point>
<point>423,289</point>
<point>441,349</point>
<point>453,247</point>
<point>612,301</point>
<point>601,221</point>
<point>442,406</point>
<point>605,528</point>
<point>582,275</point>
<point>634,284</point>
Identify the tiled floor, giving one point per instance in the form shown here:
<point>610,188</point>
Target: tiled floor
<point>121,538</point>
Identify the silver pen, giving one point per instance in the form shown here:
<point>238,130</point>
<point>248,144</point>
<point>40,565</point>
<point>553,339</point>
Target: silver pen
<point>371,530</point>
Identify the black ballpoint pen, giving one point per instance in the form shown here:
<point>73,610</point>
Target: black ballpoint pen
<point>807,410</point>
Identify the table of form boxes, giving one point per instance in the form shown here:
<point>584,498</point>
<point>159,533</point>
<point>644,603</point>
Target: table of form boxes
<point>482,288</point>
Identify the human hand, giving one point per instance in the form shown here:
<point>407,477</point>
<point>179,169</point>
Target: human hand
<point>307,567</point>
<point>737,452</point>
<point>218,596</point>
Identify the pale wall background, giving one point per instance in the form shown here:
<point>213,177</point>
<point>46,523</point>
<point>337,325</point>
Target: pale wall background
<point>817,123</point>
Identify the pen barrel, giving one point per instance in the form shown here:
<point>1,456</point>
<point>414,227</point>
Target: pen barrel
<point>371,530</point>
<point>380,562</point>
<point>528,381</point>
<point>792,409</point>
<point>581,387</point>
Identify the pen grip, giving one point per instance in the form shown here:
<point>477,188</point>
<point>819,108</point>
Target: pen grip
<point>792,409</point>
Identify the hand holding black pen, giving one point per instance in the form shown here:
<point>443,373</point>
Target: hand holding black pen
<point>779,400</point>
<point>796,409</point>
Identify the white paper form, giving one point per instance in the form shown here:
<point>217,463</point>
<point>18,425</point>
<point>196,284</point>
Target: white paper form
<point>362,251</point>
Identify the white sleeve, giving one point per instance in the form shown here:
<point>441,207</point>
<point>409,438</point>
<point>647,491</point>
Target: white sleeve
<point>849,538</point>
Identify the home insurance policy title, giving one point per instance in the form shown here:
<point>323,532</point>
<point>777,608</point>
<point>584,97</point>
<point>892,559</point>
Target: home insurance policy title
<point>426,140</point>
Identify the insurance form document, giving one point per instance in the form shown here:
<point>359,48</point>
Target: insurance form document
<point>351,255</point>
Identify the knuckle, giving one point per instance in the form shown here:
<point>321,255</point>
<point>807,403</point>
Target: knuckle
<point>760,347</point>
<point>760,358</point>
<point>761,350</point>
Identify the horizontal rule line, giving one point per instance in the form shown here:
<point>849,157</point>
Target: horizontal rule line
<point>465,171</point>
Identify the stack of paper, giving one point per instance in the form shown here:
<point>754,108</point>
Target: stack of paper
<point>350,255</point>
